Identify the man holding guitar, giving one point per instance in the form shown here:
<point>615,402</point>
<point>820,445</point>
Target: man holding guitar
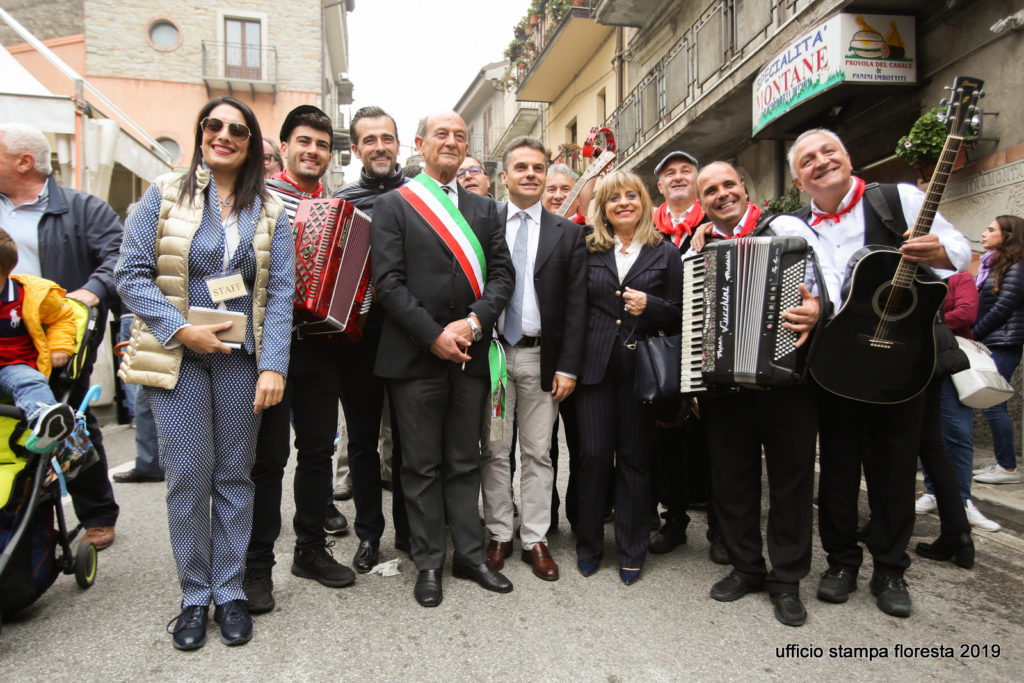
<point>883,438</point>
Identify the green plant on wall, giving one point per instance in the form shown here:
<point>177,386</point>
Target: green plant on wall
<point>789,202</point>
<point>558,9</point>
<point>924,141</point>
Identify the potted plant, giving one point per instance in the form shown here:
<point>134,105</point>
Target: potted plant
<point>557,9</point>
<point>922,146</point>
<point>570,153</point>
<point>514,50</point>
<point>789,202</point>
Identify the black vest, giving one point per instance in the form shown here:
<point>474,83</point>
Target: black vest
<point>884,223</point>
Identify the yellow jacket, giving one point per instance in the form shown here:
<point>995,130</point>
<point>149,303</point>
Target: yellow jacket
<point>49,321</point>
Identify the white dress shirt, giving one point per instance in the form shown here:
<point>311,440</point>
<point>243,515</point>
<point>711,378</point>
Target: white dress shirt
<point>839,240</point>
<point>625,261</point>
<point>531,309</point>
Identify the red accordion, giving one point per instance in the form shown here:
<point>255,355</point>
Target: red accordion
<point>332,269</point>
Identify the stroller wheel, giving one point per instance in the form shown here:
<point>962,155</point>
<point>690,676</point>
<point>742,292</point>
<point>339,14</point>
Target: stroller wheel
<point>85,564</point>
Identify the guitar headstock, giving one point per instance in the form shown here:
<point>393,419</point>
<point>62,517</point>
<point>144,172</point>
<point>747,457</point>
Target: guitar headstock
<point>962,111</point>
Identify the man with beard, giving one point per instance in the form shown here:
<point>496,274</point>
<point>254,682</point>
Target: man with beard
<point>310,399</point>
<point>375,142</point>
<point>883,439</point>
<point>738,422</point>
<point>443,273</point>
<point>473,178</point>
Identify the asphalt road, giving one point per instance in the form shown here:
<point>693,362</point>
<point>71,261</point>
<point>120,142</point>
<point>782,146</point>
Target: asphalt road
<point>665,627</point>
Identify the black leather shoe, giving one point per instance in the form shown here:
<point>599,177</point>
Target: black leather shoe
<point>484,575</point>
<point>318,563</point>
<point>670,535</point>
<point>891,595</point>
<point>733,587</point>
<point>836,584</point>
<point>235,623</point>
<point>133,476</point>
<point>366,556</point>
<point>428,588</point>
<point>189,631</point>
<point>259,590</point>
<point>335,522</point>
<point>788,609</point>
<point>959,548</point>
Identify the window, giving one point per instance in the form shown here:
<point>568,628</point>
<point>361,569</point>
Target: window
<point>570,132</point>
<point>172,147</point>
<point>242,53</point>
<point>164,34</point>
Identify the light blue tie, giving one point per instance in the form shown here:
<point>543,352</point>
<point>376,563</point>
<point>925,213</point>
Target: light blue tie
<point>514,310</point>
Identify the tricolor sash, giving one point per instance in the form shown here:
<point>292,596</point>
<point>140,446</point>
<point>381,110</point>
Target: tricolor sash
<point>439,211</point>
<point>435,206</point>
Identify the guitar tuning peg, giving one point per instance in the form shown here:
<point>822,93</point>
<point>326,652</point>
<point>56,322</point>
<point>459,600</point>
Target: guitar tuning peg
<point>941,116</point>
<point>981,93</point>
<point>947,87</point>
<point>944,102</point>
<point>976,120</point>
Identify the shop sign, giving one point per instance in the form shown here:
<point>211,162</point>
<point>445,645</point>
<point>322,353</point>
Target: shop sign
<point>847,48</point>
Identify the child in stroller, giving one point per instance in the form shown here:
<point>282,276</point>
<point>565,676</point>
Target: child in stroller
<point>37,333</point>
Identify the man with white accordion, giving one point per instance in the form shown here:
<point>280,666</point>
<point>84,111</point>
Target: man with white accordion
<point>739,421</point>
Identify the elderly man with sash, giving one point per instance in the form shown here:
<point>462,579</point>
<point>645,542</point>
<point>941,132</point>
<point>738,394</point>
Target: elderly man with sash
<point>443,274</point>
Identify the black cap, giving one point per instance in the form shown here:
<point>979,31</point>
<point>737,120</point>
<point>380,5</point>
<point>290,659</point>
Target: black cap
<point>291,122</point>
<point>678,154</point>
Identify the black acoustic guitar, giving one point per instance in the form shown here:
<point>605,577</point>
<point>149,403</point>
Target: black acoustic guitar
<point>880,347</point>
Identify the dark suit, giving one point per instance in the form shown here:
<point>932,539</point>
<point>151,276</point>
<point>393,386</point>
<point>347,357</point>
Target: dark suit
<point>440,405</point>
<point>615,428</point>
<point>559,270</point>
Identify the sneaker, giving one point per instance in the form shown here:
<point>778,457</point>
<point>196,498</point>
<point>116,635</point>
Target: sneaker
<point>52,425</point>
<point>998,475</point>
<point>335,522</point>
<point>836,584</point>
<point>318,564</point>
<point>978,520</point>
<point>987,468</point>
<point>925,504</point>
<point>891,595</point>
<point>259,590</point>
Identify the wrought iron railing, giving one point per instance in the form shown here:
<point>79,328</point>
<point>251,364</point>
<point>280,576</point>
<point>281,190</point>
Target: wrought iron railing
<point>239,62</point>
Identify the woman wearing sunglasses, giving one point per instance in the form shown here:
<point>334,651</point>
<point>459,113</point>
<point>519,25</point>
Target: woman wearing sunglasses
<point>210,238</point>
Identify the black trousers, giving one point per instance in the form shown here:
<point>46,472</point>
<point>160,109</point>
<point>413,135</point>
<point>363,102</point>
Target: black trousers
<point>935,460</point>
<point>311,400</point>
<point>570,425</point>
<point>615,434</point>
<point>92,494</point>
<point>784,421</point>
<point>440,418</point>
<point>362,399</point>
<point>885,440</point>
<point>682,470</point>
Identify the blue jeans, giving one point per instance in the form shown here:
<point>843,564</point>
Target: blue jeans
<point>130,390</point>
<point>27,386</point>
<point>1007,359</point>
<point>147,462</point>
<point>958,437</point>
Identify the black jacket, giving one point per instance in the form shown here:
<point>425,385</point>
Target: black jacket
<point>79,244</point>
<point>1001,314</point>
<point>363,193</point>
<point>422,288</point>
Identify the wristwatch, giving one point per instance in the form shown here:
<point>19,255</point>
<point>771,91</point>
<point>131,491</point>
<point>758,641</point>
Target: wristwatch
<point>478,333</point>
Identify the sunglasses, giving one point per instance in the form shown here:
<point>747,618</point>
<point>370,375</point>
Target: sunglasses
<point>239,131</point>
<point>475,170</point>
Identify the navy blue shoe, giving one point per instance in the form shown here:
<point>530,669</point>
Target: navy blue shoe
<point>629,576</point>
<point>587,568</point>
<point>235,622</point>
<point>190,628</point>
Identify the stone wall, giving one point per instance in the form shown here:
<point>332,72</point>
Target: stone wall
<point>118,45</point>
<point>44,18</point>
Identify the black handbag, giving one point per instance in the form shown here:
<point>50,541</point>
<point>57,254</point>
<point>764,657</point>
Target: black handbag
<point>657,367</point>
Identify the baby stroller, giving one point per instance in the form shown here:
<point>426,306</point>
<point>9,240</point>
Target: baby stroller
<point>31,487</point>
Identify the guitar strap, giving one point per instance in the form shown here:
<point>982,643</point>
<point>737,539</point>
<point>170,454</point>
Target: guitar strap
<point>885,223</point>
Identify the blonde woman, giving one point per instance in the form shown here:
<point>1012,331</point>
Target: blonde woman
<point>634,290</point>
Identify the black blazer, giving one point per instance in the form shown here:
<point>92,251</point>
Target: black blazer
<point>422,288</point>
<point>657,271</point>
<point>559,275</point>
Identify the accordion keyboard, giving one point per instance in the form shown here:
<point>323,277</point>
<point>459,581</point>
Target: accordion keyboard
<point>694,271</point>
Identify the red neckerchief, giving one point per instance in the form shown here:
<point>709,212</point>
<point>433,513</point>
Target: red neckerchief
<point>858,192</point>
<point>663,219</point>
<point>753,213</point>
<point>283,175</point>
<point>579,219</point>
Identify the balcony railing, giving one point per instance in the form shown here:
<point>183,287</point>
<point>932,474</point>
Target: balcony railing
<point>231,65</point>
<point>728,31</point>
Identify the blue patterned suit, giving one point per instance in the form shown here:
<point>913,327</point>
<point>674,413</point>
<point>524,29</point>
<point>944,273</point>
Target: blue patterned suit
<point>206,424</point>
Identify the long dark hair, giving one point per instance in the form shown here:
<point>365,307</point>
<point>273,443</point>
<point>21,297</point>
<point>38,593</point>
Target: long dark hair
<point>249,183</point>
<point>1011,250</point>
